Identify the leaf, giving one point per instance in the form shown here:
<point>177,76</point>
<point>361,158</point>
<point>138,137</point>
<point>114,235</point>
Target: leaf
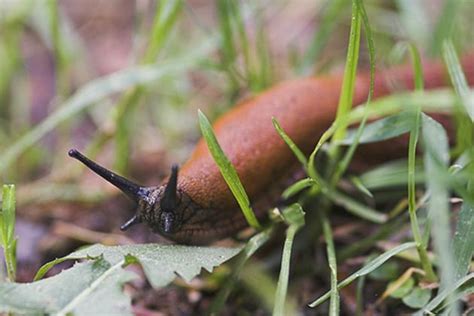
<point>386,128</point>
<point>93,287</point>
<point>161,263</point>
<point>387,271</point>
<point>463,243</point>
<point>360,186</point>
<point>436,157</point>
<point>7,230</point>
<point>7,215</point>
<point>462,286</point>
<point>404,289</point>
<point>390,174</point>
<point>299,186</point>
<point>417,298</point>
<point>356,208</point>
<point>435,140</point>
<point>227,170</point>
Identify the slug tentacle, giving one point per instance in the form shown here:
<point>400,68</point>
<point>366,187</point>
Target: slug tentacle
<point>137,193</point>
<point>169,201</point>
<point>132,190</point>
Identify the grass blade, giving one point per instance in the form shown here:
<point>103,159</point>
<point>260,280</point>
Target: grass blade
<point>334,304</point>
<point>414,135</point>
<point>371,266</point>
<point>356,208</point>
<point>445,25</point>
<point>458,78</point>
<point>250,248</point>
<point>296,151</point>
<point>436,159</point>
<point>329,18</point>
<point>227,170</point>
<point>7,230</point>
<point>299,186</point>
<point>348,83</point>
<point>463,243</point>
<point>343,165</point>
<point>383,129</point>
<point>446,293</point>
<point>294,216</point>
<point>166,17</point>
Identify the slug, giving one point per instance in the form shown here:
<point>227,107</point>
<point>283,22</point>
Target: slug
<point>197,207</point>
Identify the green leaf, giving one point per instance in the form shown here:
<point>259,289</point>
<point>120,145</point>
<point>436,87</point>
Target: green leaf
<point>417,298</point>
<point>7,230</point>
<point>461,287</point>
<point>7,215</point>
<point>435,140</point>
<point>93,287</point>
<point>436,157</point>
<point>299,186</point>
<point>404,289</point>
<point>366,269</point>
<point>390,174</point>
<point>294,215</point>
<point>356,208</point>
<point>227,170</point>
<point>161,263</point>
<point>463,243</point>
<point>386,128</point>
<point>387,271</point>
<point>360,186</point>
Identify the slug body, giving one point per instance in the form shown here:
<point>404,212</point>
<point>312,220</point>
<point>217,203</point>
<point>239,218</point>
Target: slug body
<point>197,207</point>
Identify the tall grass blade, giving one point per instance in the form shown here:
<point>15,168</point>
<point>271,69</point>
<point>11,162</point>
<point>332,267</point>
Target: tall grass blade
<point>294,216</point>
<point>436,158</point>
<point>291,144</point>
<point>458,78</point>
<point>227,170</point>
<point>7,230</point>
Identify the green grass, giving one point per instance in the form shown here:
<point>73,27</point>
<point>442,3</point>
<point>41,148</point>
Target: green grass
<point>151,106</point>
<point>228,171</point>
<point>8,239</point>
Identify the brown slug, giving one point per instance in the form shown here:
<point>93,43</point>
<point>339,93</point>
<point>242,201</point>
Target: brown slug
<point>197,207</point>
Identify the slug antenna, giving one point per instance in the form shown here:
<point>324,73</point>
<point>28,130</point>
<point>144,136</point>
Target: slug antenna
<point>170,200</point>
<point>132,190</point>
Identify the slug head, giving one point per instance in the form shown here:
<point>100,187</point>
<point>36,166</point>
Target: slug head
<point>159,207</point>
